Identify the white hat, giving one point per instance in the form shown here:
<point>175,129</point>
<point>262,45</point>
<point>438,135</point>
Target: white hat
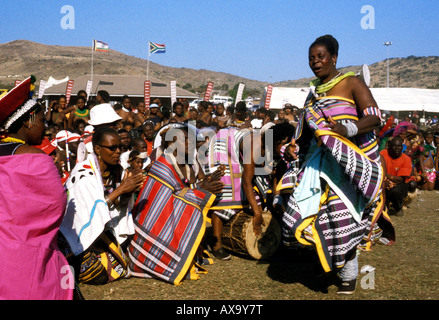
<point>154,105</point>
<point>103,113</point>
<point>65,135</point>
<point>88,129</point>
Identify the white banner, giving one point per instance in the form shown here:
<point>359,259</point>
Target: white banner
<point>41,89</point>
<point>239,93</point>
<point>69,89</point>
<point>88,87</point>
<point>173,92</point>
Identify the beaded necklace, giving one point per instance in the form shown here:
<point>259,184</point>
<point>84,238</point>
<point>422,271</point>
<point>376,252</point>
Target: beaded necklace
<point>82,113</point>
<point>322,88</point>
<point>10,139</point>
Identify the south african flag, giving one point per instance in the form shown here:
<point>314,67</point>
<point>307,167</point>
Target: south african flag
<point>156,48</point>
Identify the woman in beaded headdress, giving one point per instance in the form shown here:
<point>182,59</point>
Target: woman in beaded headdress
<point>32,204</point>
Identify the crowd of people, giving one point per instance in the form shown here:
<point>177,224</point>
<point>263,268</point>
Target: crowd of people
<point>128,190</point>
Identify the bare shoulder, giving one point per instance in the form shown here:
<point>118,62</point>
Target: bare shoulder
<point>360,92</point>
<point>28,149</point>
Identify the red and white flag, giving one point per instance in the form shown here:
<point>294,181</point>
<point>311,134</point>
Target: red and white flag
<point>100,46</point>
<point>268,96</point>
<point>208,91</point>
<point>147,93</point>
<point>69,89</point>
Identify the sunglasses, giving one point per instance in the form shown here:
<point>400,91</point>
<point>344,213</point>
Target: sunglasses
<point>112,148</point>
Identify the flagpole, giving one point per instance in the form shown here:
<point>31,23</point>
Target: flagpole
<point>92,50</point>
<point>147,64</point>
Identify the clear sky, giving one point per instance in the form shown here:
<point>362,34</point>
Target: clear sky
<point>260,40</point>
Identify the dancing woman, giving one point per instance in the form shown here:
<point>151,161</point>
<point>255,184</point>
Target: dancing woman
<point>337,199</point>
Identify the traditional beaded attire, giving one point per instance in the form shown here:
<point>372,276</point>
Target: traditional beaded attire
<point>337,199</point>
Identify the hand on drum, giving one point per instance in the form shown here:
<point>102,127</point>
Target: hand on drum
<point>258,221</point>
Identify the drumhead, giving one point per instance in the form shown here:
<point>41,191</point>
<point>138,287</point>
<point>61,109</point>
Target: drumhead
<point>266,244</point>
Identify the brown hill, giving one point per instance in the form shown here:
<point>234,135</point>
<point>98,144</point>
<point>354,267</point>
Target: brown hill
<point>410,72</point>
<point>20,58</point>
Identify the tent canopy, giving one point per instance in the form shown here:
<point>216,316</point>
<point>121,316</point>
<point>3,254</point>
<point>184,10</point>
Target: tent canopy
<point>388,99</point>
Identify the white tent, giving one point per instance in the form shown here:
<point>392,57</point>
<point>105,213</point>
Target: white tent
<point>406,99</point>
<point>388,99</point>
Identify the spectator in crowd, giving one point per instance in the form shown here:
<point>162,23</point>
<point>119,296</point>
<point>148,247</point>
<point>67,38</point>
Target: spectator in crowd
<point>397,181</point>
<point>80,111</point>
<point>178,109</point>
<point>203,113</point>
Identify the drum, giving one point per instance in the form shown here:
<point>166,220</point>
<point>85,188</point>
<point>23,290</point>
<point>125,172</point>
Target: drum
<point>238,236</point>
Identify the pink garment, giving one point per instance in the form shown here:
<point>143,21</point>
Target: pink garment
<point>32,204</point>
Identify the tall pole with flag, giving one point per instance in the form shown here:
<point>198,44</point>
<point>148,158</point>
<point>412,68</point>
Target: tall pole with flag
<point>92,51</point>
<point>154,48</point>
<point>97,46</point>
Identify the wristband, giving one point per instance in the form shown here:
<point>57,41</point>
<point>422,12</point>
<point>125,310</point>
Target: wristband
<point>110,203</point>
<point>351,129</point>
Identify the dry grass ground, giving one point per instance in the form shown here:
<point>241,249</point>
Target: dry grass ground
<point>406,271</point>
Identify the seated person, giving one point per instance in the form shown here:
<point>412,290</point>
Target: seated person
<point>397,182</point>
<point>170,214</point>
<point>97,221</point>
<point>246,179</point>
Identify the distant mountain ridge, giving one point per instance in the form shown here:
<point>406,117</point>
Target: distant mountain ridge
<point>21,58</point>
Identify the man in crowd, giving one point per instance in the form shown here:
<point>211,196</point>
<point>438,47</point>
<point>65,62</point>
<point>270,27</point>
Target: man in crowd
<point>291,113</point>
<point>203,113</point>
<point>148,136</point>
<point>101,115</point>
<point>398,171</point>
<point>153,116</point>
<point>126,112</point>
<point>178,109</point>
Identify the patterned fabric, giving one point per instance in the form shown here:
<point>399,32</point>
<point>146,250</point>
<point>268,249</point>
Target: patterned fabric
<point>372,111</point>
<point>169,225</point>
<point>87,214</point>
<point>349,179</point>
<point>289,179</point>
<point>224,150</point>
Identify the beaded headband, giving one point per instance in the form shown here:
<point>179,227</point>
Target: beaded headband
<point>27,106</point>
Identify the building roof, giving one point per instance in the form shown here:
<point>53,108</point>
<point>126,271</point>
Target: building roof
<point>120,85</point>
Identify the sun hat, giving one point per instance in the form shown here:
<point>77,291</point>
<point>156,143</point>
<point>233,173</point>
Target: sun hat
<point>102,114</point>
<point>137,154</point>
<point>88,129</point>
<point>65,135</point>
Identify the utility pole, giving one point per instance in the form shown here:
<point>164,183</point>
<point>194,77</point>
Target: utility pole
<point>387,44</point>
